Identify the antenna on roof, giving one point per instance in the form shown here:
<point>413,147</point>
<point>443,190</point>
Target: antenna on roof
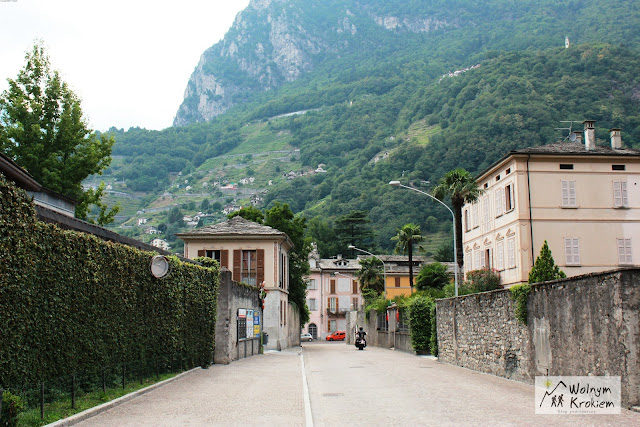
<point>571,136</point>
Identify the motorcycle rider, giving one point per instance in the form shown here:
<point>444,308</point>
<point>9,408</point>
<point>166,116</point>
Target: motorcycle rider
<point>360,335</point>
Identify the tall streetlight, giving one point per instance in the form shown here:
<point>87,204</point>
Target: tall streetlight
<point>455,254</point>
<point>384,267</point>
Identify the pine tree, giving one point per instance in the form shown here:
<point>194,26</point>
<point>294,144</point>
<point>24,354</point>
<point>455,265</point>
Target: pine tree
<point>545,267</point>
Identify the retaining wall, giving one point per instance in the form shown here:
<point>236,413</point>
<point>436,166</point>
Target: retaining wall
<point>586,325</point>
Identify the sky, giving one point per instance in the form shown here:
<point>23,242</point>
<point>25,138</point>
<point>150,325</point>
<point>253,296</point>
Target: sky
<point>129,61</point>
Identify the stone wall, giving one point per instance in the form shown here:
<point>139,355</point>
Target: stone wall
<point>231,297</point>
<point>586,325</point>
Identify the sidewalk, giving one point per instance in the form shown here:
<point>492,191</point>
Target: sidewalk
<point>260,390</point>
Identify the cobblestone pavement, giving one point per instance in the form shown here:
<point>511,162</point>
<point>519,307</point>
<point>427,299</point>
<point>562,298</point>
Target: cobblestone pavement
<point>345,387</point>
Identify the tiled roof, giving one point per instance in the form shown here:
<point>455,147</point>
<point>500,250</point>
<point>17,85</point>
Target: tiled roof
<point>576,148</point>
<point>236,226</point>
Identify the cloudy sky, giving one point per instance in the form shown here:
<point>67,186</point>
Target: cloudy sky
<point>128,60</point>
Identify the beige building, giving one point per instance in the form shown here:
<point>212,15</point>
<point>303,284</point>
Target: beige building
<point>255,254</point>
<point>582,198</point>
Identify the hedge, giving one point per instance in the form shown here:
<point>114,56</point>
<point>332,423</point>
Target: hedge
<point>71,303</point>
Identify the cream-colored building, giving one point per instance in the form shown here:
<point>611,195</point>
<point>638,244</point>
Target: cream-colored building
<point>582,198</point>
<point>255,254</point>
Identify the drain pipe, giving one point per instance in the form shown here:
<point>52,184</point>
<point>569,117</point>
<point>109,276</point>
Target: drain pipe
<point>530,215</point>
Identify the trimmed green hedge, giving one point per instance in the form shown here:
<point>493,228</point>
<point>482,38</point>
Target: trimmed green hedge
<point>70,302</point>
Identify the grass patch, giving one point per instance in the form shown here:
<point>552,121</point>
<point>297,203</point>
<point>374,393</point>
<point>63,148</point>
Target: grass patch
<point>60,409</point>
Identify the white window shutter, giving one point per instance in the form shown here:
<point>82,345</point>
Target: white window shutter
<point>500,250</point>
<point>623,190</point>
<point>576,251</point>
<point>499,194</point>
<point>572,193</point>
<point>617,194</point>
<point>565,193</point>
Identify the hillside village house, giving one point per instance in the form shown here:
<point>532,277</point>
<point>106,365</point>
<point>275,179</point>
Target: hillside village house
<point>583,199</point>
<point>255,254</point>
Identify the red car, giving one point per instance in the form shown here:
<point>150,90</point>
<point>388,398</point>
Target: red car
<point>336,336</point>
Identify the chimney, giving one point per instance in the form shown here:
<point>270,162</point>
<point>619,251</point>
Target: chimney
<point>578,134</point>
<point>589,134</point>
<point>616,139</point>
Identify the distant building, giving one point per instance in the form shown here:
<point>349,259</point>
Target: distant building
<point>583,199</point>
<point>142,221</point>
<point>160,243</point>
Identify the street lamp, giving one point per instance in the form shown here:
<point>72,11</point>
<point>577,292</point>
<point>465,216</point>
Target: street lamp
<point>455,253</point>
<point>384,267</point>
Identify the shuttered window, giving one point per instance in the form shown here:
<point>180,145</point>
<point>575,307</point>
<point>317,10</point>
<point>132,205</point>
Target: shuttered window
<point>568,193</point>
<point>508,198</point>
<point>332,285</point>
<point>620,197</point>
<point>500,255</point>
<point>624,251</point>
<point>499,201</point>
<point>354,289</point>
<point>476,216</point>
<point>572,251</point>
<point>511,252</point>
<point>397,279</point>
<point>486,214</point>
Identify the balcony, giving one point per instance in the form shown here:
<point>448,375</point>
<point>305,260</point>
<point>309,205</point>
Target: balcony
<point>337,312</point>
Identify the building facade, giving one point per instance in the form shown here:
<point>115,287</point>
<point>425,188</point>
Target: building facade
<point>256,255</point>
<point>582,198</point>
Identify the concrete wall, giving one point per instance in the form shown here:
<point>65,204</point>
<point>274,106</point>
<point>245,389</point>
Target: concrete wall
<point>231,297</point>
<point>587,325</point>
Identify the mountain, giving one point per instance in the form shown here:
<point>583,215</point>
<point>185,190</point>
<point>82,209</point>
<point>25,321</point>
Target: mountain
<point>390,102</point>
<point>274,42</point>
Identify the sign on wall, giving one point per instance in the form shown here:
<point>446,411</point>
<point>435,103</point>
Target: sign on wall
<point>248,324</point>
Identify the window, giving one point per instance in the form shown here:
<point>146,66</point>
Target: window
<point>497,178</point>
<point>476,260</point>
<point>507,172</point>
<point>475,216</point>
<point>499,201</point>
<point>222,256</point>
<point>249,268</point>
<point>332,286</point>
<point>397,282</point>
<point>466,220</point>
<point>354,303</point>
<point>312,285</point>
<point>620,197</point>
<point>354,284</point>
<point>568,193</point>
<point>333,304</point>
<point>487,258</point>
<point>486,222</point>
<point>508,198</point>
<point>617,167</point>
<point>572,251</point>
<point>333,325</point>
<point>467,261</point>
<point>500,254</point>
<point>511,253</point>
<point>566,166</point>
<point>624,251</point>
<point>313,304</point>
<point>213,254</point>
<point>486,185</point>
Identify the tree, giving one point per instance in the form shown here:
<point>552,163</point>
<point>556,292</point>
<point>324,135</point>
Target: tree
<point>204,206</point>
<point>371,278</point>
<point>434,275</point>
<point>281,218</point>
<point>354,229</point>
<point>462,188</point>
<point>250,213</point>
<point>324,235</point>
<point>407,236</point>
<point>42,129</point>
<point>444,252</point>
<point>545,267</point>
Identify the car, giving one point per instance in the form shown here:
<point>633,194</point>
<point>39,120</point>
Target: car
<point>336,336</point>
<point>306,337</point>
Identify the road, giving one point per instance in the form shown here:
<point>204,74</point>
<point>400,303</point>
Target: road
<point>344,386</point>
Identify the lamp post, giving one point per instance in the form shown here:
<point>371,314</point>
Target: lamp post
<point>384,267</point>
<point>455,254</point>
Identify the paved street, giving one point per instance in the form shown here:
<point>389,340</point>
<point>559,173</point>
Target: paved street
<point>345,386</point>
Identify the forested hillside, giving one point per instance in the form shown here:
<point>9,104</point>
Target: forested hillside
<point>393,112</point>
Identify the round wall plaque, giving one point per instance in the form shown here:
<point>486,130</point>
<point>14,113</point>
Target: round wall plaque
<point>159,266</point>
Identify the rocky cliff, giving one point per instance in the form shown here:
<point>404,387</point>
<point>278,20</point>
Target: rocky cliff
<point>276,41</point>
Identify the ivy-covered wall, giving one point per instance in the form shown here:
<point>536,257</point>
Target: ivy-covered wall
<point>70,302</point>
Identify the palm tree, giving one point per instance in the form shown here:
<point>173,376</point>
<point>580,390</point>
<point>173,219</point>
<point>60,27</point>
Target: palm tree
<point>370,277</point>
<point>462,188</point>
<point>407,236</point>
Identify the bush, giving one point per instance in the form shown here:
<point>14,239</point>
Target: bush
<point>420,323</point>
<point>432,275</point>
<point>463,289</point>
<point>545,267</point>
<point>520,294</point>
<point>483,280</point>
<point>433,343</point>
<point>12,405</point>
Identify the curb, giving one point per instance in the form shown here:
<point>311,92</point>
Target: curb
<point>92,412</point>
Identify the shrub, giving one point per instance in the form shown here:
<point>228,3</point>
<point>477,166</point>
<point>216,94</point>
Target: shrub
<point>432,275</point>
<point>463,289</point>
<point>545,267</point>
<point>420,323</point>
<point>12,405</point>
<point>483,280</point>
<point>520,294</point>
<point>433,343</point>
